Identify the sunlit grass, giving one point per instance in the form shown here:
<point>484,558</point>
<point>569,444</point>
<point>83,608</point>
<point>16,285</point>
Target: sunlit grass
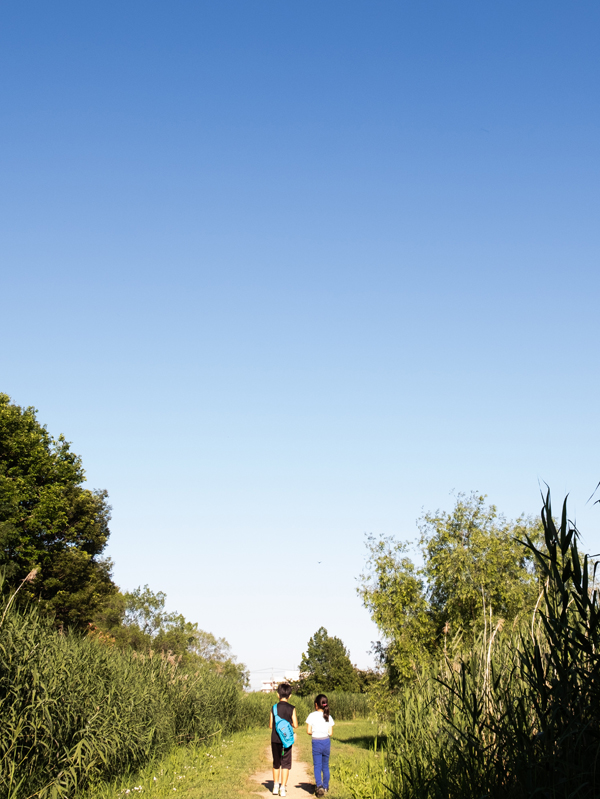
<point>223,768</point>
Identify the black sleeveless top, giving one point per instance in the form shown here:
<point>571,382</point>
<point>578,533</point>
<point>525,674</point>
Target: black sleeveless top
<point>284,711</point>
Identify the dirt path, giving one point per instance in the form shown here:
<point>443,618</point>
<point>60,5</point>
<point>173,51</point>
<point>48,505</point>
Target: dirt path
<point>300,784</point>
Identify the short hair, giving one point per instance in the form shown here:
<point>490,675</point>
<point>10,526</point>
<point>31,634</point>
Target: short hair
<point>284,690</point>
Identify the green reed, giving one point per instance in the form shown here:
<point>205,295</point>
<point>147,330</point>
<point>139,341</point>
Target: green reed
<point>346,706</point>
<point>517,717</point>
<point>73,709</point>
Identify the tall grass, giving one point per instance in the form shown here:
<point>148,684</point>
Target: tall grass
<point>519,716</point>
<point>74,710</point>
<point>255,708</point>
<point>346,706</point>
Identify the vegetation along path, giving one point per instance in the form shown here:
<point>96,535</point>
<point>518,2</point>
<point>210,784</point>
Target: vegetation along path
<point>239,766</point>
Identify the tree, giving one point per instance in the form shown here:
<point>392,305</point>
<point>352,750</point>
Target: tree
<point>138,619</point>
<point>394,591</point>
<point>475,563</point>
<point>49,522</point>
<point>326,666</point>
<point>474,568</point>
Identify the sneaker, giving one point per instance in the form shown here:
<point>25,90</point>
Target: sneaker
<point>275,789</point>
<point>320,791</point>
<point>282,791</point>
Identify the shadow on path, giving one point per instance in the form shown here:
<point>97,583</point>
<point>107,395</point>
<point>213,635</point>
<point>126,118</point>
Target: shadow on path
<point>307,787</point>
<point>362,741</point>
<point>299,784</point>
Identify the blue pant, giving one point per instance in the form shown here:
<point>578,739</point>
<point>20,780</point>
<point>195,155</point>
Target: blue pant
<point>321,749</point>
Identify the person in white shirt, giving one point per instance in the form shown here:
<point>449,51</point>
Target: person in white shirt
<point>319,724</point>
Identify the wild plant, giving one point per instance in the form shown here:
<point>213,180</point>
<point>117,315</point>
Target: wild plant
<point>73,709</point>
<point>519,715</point>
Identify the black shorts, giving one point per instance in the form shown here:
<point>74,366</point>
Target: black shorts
<point>281,758</point>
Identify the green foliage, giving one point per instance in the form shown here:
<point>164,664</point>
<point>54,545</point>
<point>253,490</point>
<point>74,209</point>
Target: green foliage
<point>256,707</point>
<point>49,521</point>
<point>474,562</point>
<point>347,706</point>
<point>473,565</point>
<point>394,591</point>
<point>138,620</point>
<point>75,709</point>
<point>518,716</point>
<point>326,666</point>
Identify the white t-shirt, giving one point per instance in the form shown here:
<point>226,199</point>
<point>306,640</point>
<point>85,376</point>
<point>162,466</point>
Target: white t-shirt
<point>320,727</point>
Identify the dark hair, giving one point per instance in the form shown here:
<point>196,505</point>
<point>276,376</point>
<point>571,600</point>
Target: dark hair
<point>284,690</point>
<point>322,703</point>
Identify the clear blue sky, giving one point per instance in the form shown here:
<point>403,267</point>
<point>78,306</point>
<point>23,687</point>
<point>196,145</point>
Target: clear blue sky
<point>289,272</point>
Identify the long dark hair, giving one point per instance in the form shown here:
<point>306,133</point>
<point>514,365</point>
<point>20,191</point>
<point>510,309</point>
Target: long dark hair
<point>322,703</point>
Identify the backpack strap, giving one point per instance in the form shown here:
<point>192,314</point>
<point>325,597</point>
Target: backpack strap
<point>275,716</point>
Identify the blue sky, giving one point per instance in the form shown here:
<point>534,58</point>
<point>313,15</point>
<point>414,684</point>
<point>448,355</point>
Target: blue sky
<point>290,272</point>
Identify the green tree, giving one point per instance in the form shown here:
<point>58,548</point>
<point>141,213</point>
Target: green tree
<point>326,666</point>
<point>474,568</point>
<point>49,522</point>
<point>394,591</point>
<point>138,619</point>
<point>474,563</point>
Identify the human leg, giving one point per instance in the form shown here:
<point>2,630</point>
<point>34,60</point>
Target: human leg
<point>317,763</point>
<point>325,763</point>
<point>286,764</point>
<point>276,749</point>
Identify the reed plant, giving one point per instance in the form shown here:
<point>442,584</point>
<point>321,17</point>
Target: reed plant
<point>347,706</point>
<point>518,716</point>
<point>255,708</point>
<point>74,709</point>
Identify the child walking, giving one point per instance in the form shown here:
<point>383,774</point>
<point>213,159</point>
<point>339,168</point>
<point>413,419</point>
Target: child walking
<point>319,724</point>
<point>282,758</point>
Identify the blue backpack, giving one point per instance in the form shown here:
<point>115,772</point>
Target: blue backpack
<point>284,729</point>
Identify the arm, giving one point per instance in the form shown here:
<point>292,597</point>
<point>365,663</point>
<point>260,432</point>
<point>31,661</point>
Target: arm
<point>309,729</point>
<point>294,719</point>
<point>271,720</point>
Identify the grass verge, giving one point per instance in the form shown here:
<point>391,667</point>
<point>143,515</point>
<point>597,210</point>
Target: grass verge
<point>353,743</point>
<point>223,768</point>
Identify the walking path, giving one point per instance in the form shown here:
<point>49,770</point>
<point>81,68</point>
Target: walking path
<point>300,784</point>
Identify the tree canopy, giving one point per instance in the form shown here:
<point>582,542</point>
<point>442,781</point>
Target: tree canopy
<point>473,564</point>
<point>49,521</point>
<point>138,619</point>
<point>326,666</point>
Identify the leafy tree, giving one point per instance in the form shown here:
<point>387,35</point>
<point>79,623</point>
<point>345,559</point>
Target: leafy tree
<point>475,563</point>
<point>473,568</point>
<point>367,679</point>
<point>49,522</point>
<point>394,591</point>
<point>146,610</point>
<point>138,619</point>
<point>326,666</point>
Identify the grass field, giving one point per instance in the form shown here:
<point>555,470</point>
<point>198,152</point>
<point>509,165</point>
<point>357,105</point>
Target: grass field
<point>352,743</point>
<point>196,772</point>
<point>225,768</point>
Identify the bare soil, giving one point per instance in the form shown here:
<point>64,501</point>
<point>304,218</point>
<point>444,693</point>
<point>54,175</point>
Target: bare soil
<point>300,784</point>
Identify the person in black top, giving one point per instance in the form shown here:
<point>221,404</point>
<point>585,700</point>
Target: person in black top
<point>282,758</point>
